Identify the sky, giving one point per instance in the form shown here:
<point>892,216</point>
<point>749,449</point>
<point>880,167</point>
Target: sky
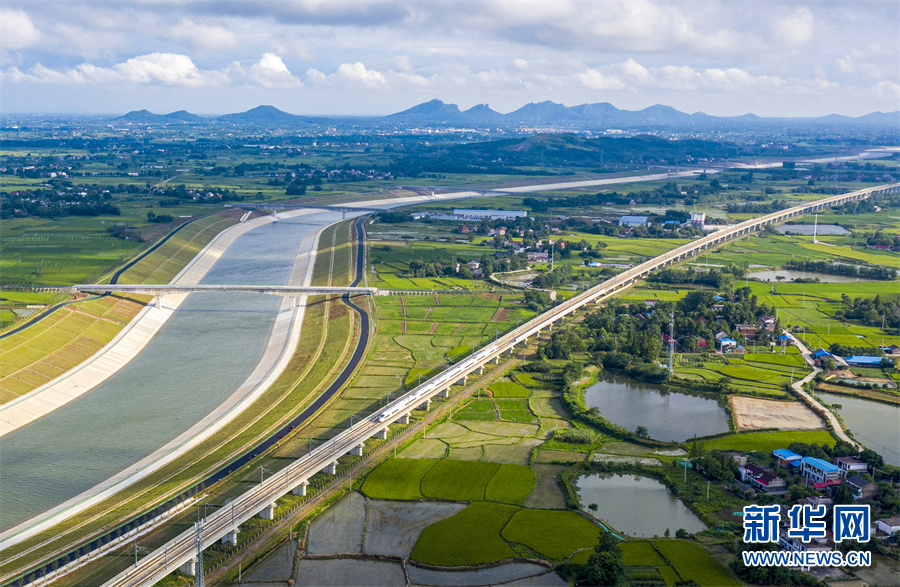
<point>375,57</point>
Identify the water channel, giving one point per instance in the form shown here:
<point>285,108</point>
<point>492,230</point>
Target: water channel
<point>875,424</point>
<point>662,410</point>
<point>636,505</point>
<point>198,359</point>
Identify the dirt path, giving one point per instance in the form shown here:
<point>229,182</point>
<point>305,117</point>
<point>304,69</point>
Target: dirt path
<point>811,401</point>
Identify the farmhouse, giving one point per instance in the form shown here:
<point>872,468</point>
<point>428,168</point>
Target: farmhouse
<point>761,479</point>
<point>785,457</point>
<point>766,323</point>
<point>889,526</point>
<point>851,465</point>
<point>746,330</point>
<point>861,488</point>
<point>820,471</point>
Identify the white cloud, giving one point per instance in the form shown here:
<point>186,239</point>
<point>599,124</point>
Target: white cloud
<point>596,80</point>
<point>633,76</point>
<point>887,90</point>
<point>166,69</point>
<point>203,36</point>
<point>357,72</point>
<point>271,72</point>
<point>797,27</point>
<point>16,29</point>
<point>349,75</point>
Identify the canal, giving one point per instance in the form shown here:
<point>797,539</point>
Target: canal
<point>200,357</point>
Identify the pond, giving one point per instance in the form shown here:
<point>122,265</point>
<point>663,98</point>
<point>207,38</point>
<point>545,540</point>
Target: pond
<point>666,413</point>
<point>636,505</point>
<point>791,274</point>
<point>874,424</point>
<point>808,229</point>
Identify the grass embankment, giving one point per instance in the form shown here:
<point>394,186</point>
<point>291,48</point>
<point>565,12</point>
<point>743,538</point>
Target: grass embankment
<point>76,331</point>
<point>306,373</point>
<point>61,341</point>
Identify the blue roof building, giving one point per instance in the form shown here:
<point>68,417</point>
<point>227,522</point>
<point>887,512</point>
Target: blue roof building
<point>819,471</point>
<point>821,353</point>
<point>783,453</point>
<point>632,221</point>
<point>863,361</point>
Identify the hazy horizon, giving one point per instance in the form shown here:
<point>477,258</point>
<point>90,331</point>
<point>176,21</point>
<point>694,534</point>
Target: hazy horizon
<point>376,57</point>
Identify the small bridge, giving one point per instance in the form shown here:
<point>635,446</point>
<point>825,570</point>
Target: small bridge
<point>289,291</point>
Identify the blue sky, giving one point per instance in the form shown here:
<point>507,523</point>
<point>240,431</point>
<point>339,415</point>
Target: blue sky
<point>372,57</point>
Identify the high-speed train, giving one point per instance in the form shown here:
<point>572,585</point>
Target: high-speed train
<point>446,378</point>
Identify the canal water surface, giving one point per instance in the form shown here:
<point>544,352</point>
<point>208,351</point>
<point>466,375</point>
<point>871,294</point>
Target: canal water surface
<point>202,354</point>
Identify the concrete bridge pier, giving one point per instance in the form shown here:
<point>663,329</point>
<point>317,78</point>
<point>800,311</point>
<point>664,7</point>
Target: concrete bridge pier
<point>294,303</point>
<point>478,370</point>
<point>425,405</point>
<point>330,469</point>
<point>300,490</point>
<point>494,361</point>
<point>188,568</point>
<point>157,301</point>
<point>268,512</point>
<point>404,419</point>
<point>231,538</point>
<point>444,392</point>
<point>462,380</point>
<point>509,351</point>
<point>357,450</point>
<point>383,433</point>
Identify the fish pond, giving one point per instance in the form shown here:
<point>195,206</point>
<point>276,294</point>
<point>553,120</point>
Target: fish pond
<point>666,413</point>
<point>636,505</point>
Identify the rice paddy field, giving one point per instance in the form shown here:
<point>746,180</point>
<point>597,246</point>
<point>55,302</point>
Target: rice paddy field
<point>768,441</point>
<point>417,335</point>
<point>673,561</point>
<point>775,250</point>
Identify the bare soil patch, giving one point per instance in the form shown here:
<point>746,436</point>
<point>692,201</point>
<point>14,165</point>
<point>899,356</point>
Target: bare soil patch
<point>341,572</point>
<point>339,530</point>
<point>394,526</point>
<point>751,413</point>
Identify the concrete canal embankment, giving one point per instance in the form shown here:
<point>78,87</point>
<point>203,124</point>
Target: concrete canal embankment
<point>207,361</point>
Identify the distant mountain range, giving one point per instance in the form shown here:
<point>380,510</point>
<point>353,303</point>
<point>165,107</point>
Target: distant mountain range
<point>542,114</point>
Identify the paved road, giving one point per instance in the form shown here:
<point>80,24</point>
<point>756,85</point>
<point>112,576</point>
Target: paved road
<point>798,387</point>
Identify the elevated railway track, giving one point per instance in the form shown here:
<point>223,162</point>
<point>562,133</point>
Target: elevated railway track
<point>260,500</point>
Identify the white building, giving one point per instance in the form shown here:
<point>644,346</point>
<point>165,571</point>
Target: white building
<point>467,214</point>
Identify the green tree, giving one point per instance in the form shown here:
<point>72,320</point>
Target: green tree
<point>843,495</point>
<point>605,568</point>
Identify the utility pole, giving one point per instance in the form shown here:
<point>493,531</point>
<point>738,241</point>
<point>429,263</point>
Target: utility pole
<point>198,566</point>
<point>671,341</point>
